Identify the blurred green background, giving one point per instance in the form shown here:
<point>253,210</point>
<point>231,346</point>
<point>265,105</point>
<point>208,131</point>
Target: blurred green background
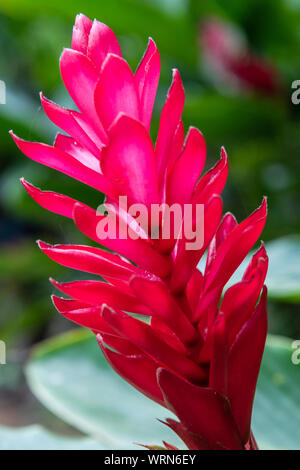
<point>261,133</point>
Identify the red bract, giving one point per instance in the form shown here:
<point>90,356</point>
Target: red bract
<point>200,354</point>
<point>230,61</point>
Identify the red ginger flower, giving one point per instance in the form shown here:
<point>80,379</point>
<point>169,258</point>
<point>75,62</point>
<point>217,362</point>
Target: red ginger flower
<point>200,355</point>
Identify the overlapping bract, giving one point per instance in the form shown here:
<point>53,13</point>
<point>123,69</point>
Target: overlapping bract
<point>200,354</point>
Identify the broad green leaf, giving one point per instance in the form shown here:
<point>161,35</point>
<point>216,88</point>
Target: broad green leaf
<point>284,275</point>
<point>276,418</point>
<point>71,378</point>
<point>37,438</point>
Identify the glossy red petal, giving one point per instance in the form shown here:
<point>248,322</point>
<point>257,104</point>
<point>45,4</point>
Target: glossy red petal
<point>116,91</point>
<point>54,202</point>
<point>187,168</point>
<point>68,145</point>
<point>82,314</point>
<point>155,295</point>
<point>139,370</point>
<point>147,78</point>
<point>226,226</point>
<point>101,42</point>
<point>169,120</point>
<point>193,289</point>
<point>218,372</point>
<point>237,245</point>
<point>65,163</point>
<point>142,69</point>
<point>143,336</point>
<point>165,333</point>
<point>186,259</point>
<point>116,209</point>
<point>80,78</point>
<point>244,362</point>
<point>89,259</point>
<point>138,251</point>
<point>260,255</point>
<point>129,162</point>
<point>231,253</point>
<point>81,31</point>
<point>68,121</point>
<point>213,181</point>
<point>203,411</point>
<point>176,145</point>
<point>239,300</point>
<point>99,293</point>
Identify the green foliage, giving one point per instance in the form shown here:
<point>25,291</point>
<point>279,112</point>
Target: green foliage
<point>37,438</point>
<point>276,418</point>
<point>71,378</point>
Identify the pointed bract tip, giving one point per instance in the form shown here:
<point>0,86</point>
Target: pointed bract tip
<point>17,139</point>
<point>26,185</point>
<point>29,187</point>
<point>176,77</point>
<point>59,303</point>
<point>77,209</point>
<point>263,297</point>
<point>55,300</point>
<point>44,99</point>
<point>54,282</point>
<point>80,18</point>
<point>105,309</point>
<point>100,340</point>
<point>43,245</point>
<point>230,216</point>
<point>264,206</point>
<point>224,155</point>
<point>261,252</point>
<point>152,44</point>
<point>163,377</point>
<point>161,373</point>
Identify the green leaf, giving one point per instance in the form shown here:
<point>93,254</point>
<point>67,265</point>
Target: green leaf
<point>70,376</point>
<point>276,418</point>
<point>284,275</point>
<point>37,438</point>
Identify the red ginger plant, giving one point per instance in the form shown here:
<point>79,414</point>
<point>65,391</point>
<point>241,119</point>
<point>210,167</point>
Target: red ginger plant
<point>200,354</point>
